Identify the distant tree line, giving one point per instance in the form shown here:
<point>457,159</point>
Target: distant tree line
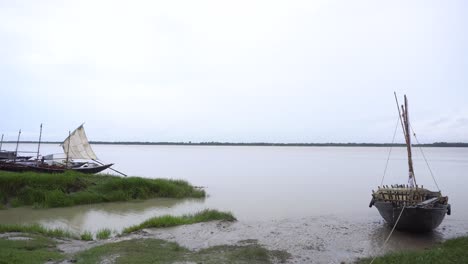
<point>213,143</point>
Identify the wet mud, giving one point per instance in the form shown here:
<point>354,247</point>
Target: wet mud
<point>308,240</point>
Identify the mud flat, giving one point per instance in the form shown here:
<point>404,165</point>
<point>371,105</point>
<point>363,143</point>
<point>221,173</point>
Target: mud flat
<point>308,240</point>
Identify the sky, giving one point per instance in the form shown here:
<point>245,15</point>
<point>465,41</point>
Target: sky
<point>233,71</point>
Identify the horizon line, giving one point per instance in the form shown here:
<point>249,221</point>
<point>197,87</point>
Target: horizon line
<point>216,143</point>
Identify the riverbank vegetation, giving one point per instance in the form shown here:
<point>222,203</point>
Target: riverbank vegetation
<point>29,248</point>
<point>36,229</point>
<point>72,188</point>
<point>155,222</point>
<point>449,252</point>
<point>86,236</point>
<point>103,234</point>
<point>169,220</point>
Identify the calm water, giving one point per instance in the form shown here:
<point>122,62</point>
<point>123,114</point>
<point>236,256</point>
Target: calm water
<point>270,185</point>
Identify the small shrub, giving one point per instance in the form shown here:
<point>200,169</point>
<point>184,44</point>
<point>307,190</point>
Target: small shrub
<point>103,233</point>
<point>169,220</point>
<point>87,236</point>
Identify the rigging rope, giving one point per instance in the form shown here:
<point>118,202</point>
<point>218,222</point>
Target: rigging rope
<point>390,152</point>
<point>424,156</point>
<point>391,232</point>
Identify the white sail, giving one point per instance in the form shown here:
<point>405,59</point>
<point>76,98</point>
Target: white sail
<point>77,146</point>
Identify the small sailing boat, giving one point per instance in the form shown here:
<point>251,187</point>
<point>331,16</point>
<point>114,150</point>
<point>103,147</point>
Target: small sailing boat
<point>409,206</point>
<point>76,147</point>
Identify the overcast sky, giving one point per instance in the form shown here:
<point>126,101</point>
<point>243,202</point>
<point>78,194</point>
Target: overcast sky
<point>238,71</point>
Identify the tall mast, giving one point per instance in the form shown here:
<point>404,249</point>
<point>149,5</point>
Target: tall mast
<point>411,177</point>
<point>39,145</point>
<point>17,144</point>
<point>1,143</point>
<point>68,149</point>
<point>400,114</point>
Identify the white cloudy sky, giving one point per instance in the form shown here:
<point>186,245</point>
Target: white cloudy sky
<point>239,71</point>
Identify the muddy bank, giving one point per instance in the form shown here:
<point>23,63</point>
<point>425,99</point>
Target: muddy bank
<point>308,240</point>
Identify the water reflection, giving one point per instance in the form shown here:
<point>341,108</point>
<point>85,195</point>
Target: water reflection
<point>115,216</point>
<point>401,240</point>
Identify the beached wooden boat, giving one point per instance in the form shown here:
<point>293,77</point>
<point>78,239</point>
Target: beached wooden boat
<point>409,206</point>
<point>46,168</point>
<point>79,156</point>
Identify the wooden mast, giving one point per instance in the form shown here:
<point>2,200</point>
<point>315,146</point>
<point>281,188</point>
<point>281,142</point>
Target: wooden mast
<point>408,142</point>
<point>17,144</point>
<point>68,149</point>
<point>403,113</point>
<point>39,144</point>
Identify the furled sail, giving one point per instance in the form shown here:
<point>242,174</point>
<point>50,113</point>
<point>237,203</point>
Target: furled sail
<point>77,146</point>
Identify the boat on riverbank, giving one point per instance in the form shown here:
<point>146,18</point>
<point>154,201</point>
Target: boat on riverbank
<point>79,156</point>
<point>409,206</point>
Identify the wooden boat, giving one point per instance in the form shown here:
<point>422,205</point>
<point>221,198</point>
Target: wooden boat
<point>76,147</point>
<point>92,169</point>
<point>46,168</point>
<point>80,157</point>
<point>410,207</point>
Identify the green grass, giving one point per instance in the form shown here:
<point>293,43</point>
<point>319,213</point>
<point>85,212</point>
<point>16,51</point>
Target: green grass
<point>160,251</point>
<point>452,251</point>
<point>103,233</point>
<point>169,220</point>
<point>37,249</point>
<point>36,229</point>
<point>71,188</point>
<point>86,236</point>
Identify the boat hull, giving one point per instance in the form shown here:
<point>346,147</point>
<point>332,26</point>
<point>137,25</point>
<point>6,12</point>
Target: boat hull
<point>413,218</point>
<point>18,167</point>
<point>92,170</point>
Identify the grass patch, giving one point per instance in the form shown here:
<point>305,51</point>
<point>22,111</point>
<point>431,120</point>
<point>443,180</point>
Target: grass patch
<point>86,236</point>
<point>103,233</point>
<point>36,249</point>
<point>37,229</point>
<point>449,252</point>
<point>169,220</point>
<point>160,251</point>
<point>72,188</point>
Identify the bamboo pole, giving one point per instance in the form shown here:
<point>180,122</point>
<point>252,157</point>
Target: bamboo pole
<point>111,168</point>
<point>17,144</point>
<point>39,144</point>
